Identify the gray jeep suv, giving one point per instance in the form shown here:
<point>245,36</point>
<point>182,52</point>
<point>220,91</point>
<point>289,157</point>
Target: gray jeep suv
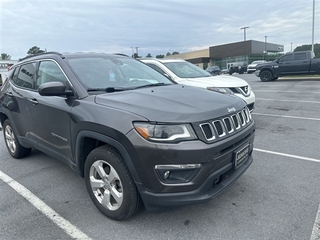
<point>135,136</point>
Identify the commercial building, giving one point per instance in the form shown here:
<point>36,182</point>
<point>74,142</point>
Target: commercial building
<point>226,54</point>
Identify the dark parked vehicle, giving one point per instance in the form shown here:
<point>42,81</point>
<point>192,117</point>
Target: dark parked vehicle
<point>213,70</point>
<point>296,63</point>
<point>238,67</point>
<point>135,136</point>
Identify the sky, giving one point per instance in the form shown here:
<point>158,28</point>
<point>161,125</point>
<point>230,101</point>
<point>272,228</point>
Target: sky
<point>154,26</point>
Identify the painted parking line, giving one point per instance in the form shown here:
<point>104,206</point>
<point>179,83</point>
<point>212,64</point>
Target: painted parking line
<point>288,155</point>
<point>284,116</point>
<point>283,91</point>
<point>70,229</point>
<point>292,101</point>
<point>315,235</point>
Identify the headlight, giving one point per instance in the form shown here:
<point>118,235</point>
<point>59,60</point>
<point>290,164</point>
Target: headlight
<point>165,132</point>
<point>220,89</point>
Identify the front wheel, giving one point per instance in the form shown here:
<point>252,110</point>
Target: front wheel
<point>265,76</point>
<point>110,184</point>
<point>14,147</point>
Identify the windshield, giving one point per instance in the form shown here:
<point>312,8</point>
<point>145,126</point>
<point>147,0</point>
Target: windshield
<point>186,70</point>
<point>114,72</point>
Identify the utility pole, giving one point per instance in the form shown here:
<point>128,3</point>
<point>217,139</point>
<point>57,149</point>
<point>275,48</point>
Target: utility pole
<point>244,43</point>
<point>265,47</point>
<point>312,46</point>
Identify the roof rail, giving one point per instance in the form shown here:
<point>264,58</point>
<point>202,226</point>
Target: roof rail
<point>38,54</point>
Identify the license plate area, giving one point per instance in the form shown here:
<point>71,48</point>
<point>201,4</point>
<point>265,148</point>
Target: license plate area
<point>241,156</point>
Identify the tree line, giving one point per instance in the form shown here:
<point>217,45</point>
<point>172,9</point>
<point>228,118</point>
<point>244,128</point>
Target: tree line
<point>35,50</point>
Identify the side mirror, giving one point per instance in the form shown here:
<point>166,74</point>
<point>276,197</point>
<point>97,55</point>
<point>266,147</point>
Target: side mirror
<point>53,89</point>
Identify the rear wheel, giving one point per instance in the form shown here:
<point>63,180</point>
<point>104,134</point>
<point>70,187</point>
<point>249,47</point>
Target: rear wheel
<point>110,184</point>
<point>265,76</point>
<point>14,147</point>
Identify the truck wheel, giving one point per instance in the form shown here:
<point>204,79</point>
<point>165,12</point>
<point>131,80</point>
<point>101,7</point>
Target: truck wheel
<point>13,146</point>
<point>110,185</point>
<point>265,76</point>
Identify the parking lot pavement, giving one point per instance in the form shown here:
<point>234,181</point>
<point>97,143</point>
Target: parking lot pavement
<point>277,198</point>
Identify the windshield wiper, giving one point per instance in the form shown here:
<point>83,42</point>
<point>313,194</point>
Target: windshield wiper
<point>108,89</point>
<point>151,85</point>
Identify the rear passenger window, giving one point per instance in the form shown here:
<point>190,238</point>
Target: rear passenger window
<point>49,72</point>
<point>300,56</point>
<point>24,77</point>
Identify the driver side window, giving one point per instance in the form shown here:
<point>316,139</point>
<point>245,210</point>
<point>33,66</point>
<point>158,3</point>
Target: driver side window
<point>49,72</point>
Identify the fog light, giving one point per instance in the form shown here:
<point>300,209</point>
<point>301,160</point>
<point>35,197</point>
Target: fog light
<point>180,173</point>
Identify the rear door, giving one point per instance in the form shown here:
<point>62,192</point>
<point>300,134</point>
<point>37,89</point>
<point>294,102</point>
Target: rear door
<point>51,114</point>
<point>301,62</point>
<point>15,100</point>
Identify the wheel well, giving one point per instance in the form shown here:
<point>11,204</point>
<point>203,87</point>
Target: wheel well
<point>266,69</point>
<point>3,117</point>
<point>86,146</point>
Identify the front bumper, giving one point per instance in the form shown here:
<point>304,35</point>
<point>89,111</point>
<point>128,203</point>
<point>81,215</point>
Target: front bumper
<point>217,171</point>
<point>257,73</point>
<point>207,191</point>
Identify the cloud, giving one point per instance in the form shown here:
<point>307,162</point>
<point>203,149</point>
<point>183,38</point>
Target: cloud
<point>156,27</point>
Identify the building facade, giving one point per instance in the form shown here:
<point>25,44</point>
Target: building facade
<point>226,54</point>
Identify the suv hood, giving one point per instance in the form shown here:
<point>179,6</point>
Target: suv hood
<point>215,81</point>
<point>173,103</point>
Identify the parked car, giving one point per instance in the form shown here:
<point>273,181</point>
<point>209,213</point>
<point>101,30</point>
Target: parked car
<point>134,135</point>
<point>183,72</point>
<point>224,71</point>
<point>296,63</point>
<point>238,67</point>
<point>252,67</point>
<point>213,70</point>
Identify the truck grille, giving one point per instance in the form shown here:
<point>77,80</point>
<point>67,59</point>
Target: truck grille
<point>219,128</point>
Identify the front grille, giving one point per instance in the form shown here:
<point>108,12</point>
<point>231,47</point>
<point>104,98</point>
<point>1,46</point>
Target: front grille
<point>218,128</point>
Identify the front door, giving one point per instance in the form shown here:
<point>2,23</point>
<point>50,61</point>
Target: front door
<point>51,114</point>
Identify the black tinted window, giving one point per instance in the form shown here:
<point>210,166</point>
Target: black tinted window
<point>300,56</point>
<point>25,76</point>
<point>286,58</point>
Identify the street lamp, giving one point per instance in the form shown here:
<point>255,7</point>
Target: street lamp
<point>244,43</point>
<point>265,46</point>
<point>291,47</point>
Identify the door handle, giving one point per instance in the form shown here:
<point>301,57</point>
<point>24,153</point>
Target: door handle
<point>33,100</point>
<point>10,94</point>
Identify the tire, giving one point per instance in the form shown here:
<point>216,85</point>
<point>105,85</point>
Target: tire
<point>14,147</point>
<point>116,198</point>
<point>265,76</point>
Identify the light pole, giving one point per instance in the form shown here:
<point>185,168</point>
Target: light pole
<point>265,47</point>
<point>132,51</point>
<point>312,46</point>
<point>291,47</point>
<point>137,51</point>
<point>244,43</point>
